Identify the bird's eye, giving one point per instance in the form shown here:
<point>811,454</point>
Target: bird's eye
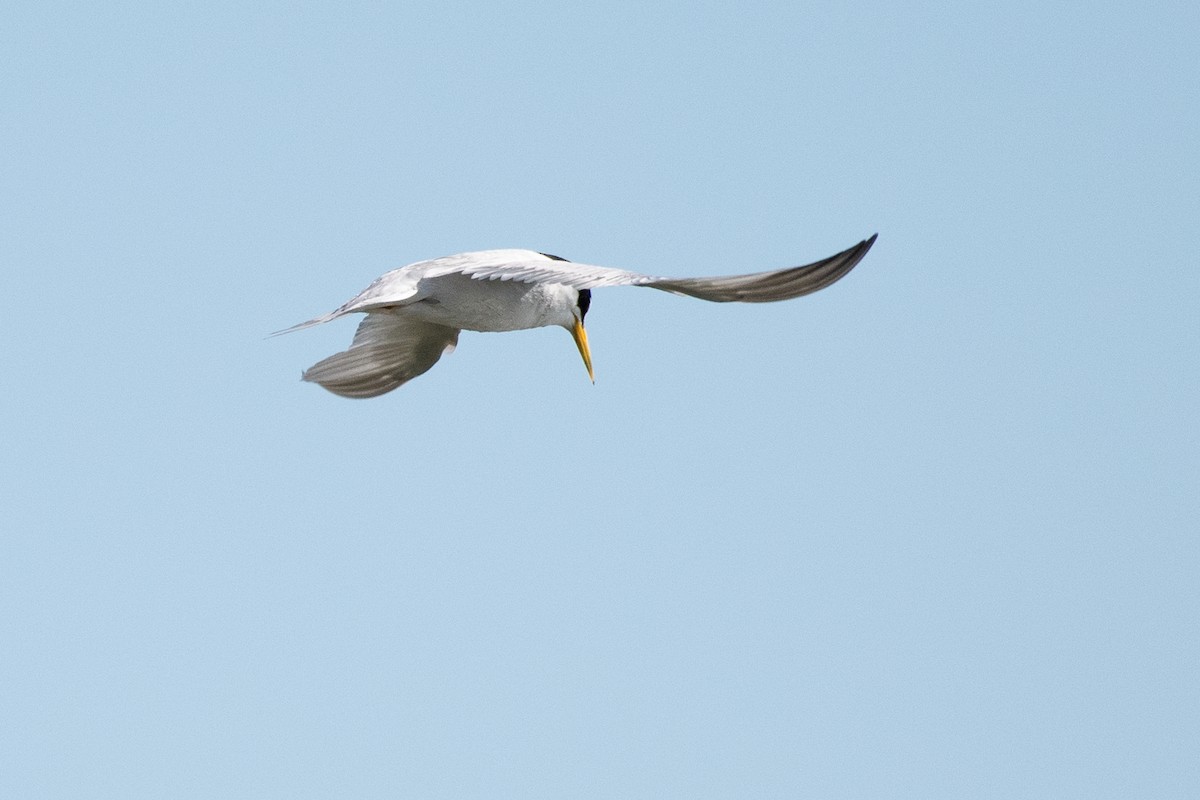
<point>585,300</point>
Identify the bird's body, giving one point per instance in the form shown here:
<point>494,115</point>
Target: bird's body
<point>491,306</point>
<point>414,313</point>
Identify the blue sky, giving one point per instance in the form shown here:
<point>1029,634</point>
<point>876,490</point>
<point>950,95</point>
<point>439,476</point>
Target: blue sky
<point>928,533</point>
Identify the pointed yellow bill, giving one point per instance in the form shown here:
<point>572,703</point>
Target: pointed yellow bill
<point>580,337</point>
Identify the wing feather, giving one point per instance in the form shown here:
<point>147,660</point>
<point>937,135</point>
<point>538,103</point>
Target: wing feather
<point>761,287</point>
<point>767,287</point>
<point>527,266</point>
<point>388,350</point>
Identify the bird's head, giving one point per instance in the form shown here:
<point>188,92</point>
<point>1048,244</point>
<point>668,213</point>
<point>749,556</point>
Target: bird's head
<point>578,308</point>
<point>577,331</point>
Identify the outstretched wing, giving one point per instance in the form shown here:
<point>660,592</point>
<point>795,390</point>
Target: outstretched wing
<point>760,287</point>
<point>388,350</point>
<point>767,287</point>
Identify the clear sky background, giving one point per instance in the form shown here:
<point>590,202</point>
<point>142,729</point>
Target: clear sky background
<point>930,533</point>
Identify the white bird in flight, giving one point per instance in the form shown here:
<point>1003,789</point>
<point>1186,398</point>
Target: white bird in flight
<point>415,313</point>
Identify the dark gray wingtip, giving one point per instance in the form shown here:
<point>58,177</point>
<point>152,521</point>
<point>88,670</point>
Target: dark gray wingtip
<point>769,287</point>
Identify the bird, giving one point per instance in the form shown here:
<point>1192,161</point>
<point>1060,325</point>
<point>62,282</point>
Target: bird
<point>414,314</point>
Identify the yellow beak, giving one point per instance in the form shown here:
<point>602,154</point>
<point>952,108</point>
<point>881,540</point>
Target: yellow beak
<point>580,337</point>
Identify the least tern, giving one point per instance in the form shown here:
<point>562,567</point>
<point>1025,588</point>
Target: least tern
<point>415,313</point>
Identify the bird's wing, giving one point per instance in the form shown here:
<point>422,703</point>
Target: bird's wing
<point>528,266</point>
<point>387,351</point>
<point>389,289</point>
<point>767,287</point>
<point>760,287</point>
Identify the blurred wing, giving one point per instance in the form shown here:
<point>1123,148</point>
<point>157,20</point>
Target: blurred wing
<point>760,287</point>
<point>388,350</point>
